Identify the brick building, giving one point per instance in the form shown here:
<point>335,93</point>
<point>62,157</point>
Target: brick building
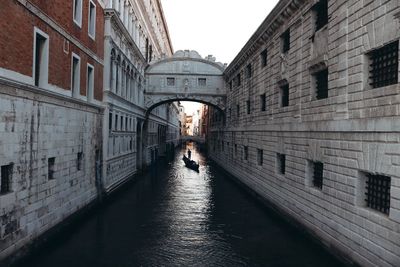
<point>312,122</point>
<point>51,72</point>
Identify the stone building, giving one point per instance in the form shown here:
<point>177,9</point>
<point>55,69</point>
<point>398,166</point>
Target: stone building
<point>136,34</point>
<point>51,69</point>
<point>312,122</point>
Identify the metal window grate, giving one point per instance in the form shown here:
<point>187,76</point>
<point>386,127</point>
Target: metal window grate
<point>321,84</point>
<point>282,163</point>
<point>5,182</point>
<point>321,9</point>
<point>384,67</point>
<point>378,192</point>
<point>318,175</point>
<point>285,95</point>
<point>264,58</point>
<point>286,41</point>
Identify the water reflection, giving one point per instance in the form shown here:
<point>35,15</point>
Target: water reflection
<point>177,217</point>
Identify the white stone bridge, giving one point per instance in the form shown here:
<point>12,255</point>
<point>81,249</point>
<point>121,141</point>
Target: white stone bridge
<point>185,77</point>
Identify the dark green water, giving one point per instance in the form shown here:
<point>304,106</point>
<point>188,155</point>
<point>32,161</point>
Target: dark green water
<point>177,217</point>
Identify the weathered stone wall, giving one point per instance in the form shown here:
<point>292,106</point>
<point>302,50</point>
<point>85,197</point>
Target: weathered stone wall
<point>355,130</point>
<point>35,126</point>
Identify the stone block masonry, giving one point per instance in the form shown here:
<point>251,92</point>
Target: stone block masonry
<point>36,126</point>
<point>314,127</point>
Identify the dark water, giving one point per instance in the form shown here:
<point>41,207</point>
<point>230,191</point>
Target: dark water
<point>177,217</point>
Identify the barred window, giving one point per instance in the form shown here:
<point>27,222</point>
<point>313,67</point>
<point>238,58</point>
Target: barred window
<point>202,81</point>
<point>171,81</point>
<point>378,192</point>
<point>260,157</point>
<point>248,71</point>
<point>263,102</point>
<point>384,65</point>
<point>285,40</point>
<point>321,14</point>
<point>321,84</point>
<point>281,163</point>
<point>5,178</point>
<point>264,58</point>
<point>318,174</point>
<point>248,106</point>
<point>284,95</point>
<point>246,152</point>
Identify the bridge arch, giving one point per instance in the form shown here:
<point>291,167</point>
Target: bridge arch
<point>185,76</point>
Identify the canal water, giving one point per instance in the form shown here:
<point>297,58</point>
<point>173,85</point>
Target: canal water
<point>174,216</point>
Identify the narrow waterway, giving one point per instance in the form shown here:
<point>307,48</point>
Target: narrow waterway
<point>177,217</point>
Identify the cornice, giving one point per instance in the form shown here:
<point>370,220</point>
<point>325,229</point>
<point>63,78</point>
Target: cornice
<point>278,17</point>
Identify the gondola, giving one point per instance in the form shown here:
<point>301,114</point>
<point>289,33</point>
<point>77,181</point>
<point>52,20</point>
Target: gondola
<point>191,164</point>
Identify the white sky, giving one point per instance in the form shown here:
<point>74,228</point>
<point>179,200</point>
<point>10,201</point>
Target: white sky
<point>214,27</point>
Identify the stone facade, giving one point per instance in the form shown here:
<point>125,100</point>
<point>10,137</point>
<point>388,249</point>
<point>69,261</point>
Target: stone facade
<point>314,152</point>
<point>135,35</point>
<point>51,69</point>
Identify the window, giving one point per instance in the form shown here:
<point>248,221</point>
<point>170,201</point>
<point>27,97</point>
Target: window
<point>235,149</point>
<point>238,110</point>
<point>79,161</point>
<point>170,81</point>
<point>264,58</point>
<point>116,122</point>
<point>77,12</point>
<point>110,121</point>
<point>92,20</point>
<point>202,81</point>
<point>263,102</point>
<point>384,65</point>
<point>320,80</point>
<point>246,152</point>
<point>126,123</point>
<point>6,178</point>
<point>376,192</point>
<point>230,112</point>
<point>238,81</point>
<point>321,14</point>
<point>285,40</point>
<point>122,123</point>
<point>41,58</point>
<point>317,172</point>
<point>284,95</point>
<point>248,71</point>
<point>90,82</point>
<point>51,168</point>
<point>248,106</point>
<point>281,163</point>
<point>75,75</point>
<point>260,157</point>
<point>230,85</point>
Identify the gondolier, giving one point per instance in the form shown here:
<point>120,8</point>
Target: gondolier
<point>189,153</point>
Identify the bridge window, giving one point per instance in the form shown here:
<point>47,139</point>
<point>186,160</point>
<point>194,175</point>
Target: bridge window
<point>202,81</point>
<point>248,71</point>
<point>284,93</point>
<point>375,192</point>
<point>263,103</point>
<point>51,168</point>
<point>170,81</point>
<point>320,83</point>
<point>384,65</point>
<point>281,163</point>
<point>5,178</point>
<point>264,58</point>
<point>321,14</point>
<point>285,41</point>
<point>260,157</point>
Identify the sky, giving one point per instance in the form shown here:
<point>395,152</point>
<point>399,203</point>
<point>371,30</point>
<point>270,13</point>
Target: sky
<point>214,27</point>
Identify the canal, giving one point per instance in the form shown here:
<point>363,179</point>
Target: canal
<point>174,216</point>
